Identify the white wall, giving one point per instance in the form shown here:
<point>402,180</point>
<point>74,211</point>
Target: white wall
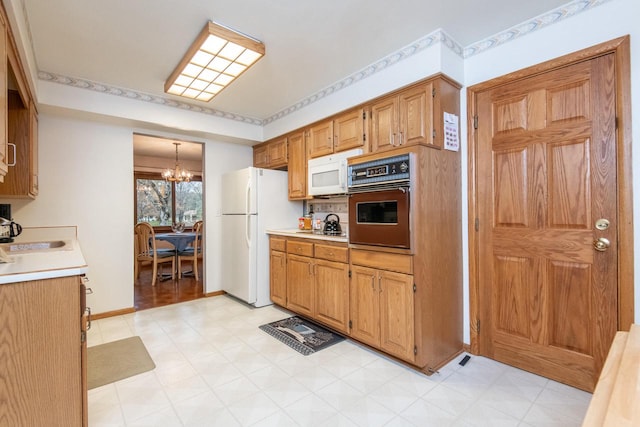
<point>86,180</point>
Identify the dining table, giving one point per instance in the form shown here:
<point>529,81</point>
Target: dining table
<point>180,241</point>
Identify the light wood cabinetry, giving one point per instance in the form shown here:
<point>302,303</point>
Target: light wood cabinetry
<point>271,154</point>
<point>4,108</point>
<point>408,302</point>
<point>332,286</point>
<point>344,132</point>
<point>278,271</point>
<point>43,361</point>
<point>297,166</point>
<point>382,303</point>
<point>317,280</point>
<point>18,123</point>
<point>321,139</point>
<point>413,115</point>
<point>300,284</point>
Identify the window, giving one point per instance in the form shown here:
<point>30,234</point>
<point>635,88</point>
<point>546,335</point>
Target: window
<point>159,202</point>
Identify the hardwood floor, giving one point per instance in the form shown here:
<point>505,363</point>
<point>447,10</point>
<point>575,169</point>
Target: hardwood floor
<point>166,292</point>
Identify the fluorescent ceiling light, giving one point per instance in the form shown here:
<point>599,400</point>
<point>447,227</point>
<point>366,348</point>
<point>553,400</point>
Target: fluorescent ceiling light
<point>217,57</point>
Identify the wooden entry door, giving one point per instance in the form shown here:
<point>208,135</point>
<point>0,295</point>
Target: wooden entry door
<point>547,221</point>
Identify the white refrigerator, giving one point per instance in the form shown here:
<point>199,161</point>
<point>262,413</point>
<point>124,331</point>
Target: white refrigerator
<point>253,200</point>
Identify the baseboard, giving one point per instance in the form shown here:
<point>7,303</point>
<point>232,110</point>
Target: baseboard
<point>215,293</point>
<point>97,316</point>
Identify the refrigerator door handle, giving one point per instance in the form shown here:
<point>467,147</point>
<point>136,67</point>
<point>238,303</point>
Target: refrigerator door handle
<point>246,230</point>
<point>247,194</point>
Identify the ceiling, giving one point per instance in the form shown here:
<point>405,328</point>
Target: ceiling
<point>136,44</point>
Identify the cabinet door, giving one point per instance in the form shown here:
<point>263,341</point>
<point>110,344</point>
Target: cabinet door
<point>261,156</point>
<point>348,130</point>
<point>297,166</point>
<point>332,294</point>
<point>278,153</point>
<point>33,150</point>
<point>384,124</point>
<point>278,278</point>
<point>397,314</point>
<point>41,349</point>
<point>416,115</point>
<point>321,139</point>
<point>365,305</point>
<point>3,99</point>
<point>300,284</point>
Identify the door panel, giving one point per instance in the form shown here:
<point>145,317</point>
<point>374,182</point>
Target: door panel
<point>365,306</point>
<point>332,294</point>
<point>546,173</point>
<point>300,284</point>
<point>396,314</point>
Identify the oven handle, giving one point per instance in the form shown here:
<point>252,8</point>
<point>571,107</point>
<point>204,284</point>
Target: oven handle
<point>380,187</point>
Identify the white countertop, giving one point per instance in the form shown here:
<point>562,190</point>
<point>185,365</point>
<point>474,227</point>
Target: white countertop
<point>304,234</point>
<point>43,264</point>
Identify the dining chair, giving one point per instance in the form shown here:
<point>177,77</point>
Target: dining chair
<point>146,251</point>
<point>196,225</point>
<point>192,253</point>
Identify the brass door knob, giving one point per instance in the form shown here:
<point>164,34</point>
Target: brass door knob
<point>601,244</point>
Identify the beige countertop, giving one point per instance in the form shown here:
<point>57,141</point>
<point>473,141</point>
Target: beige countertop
<point>30,259</point>
<point>303,234</point>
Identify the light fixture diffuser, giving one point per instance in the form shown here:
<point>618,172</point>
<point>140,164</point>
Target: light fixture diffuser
<point>217,57</point>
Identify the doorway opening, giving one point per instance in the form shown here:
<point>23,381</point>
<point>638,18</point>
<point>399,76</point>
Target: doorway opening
<point>173,208</point>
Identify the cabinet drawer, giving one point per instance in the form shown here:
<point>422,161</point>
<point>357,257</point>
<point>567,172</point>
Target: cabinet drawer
<point>383,260</point>
<point>332,253</point>
<point>299,248</point>
<point>278,244</point>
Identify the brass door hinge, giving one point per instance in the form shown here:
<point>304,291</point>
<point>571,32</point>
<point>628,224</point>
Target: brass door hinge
<point>477,224</point>
<point>478,326</point>
<point>475,122</point>
<point>350,324</point>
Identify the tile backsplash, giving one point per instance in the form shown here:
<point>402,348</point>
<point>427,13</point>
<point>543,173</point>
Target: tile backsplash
<point>324,207</point>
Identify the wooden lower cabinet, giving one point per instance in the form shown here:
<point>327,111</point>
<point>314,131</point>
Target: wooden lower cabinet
<point>300,284</point>
<point>311,279</point>
<point>43,361</point>
<point>278,277</point>
<point>332,294</point>
<point>382,310</point>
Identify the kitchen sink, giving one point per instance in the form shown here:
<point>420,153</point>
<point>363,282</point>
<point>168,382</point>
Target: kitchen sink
<point>44,246</point>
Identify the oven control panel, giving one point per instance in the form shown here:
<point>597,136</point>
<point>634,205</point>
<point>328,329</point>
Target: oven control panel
<point>382,172</point>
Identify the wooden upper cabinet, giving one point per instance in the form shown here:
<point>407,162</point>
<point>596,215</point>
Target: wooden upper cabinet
<point>33,142</point>
<point>414,115</point>
<point>260,156</point>
<point>297,166</point>
<point>3,98</point>
<point>18,123</point>
<point>278,153</point>
<point>321,139</point>
<point>271,154</point>
<point>345,132</point>
<point>348,130</point>
<point>384,124</point>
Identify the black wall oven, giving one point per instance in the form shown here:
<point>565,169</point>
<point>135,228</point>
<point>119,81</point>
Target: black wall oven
<point>379,202</point>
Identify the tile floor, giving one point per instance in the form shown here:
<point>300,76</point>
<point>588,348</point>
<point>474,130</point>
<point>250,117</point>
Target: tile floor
<point>214,367</point>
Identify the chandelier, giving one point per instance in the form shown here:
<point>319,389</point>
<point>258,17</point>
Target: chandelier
<point>177,174</point>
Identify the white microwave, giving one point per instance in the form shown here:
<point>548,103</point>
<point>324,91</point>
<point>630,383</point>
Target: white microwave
<point>328,174</point>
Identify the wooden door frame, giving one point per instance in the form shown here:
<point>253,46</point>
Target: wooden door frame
<point>620,47</point>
